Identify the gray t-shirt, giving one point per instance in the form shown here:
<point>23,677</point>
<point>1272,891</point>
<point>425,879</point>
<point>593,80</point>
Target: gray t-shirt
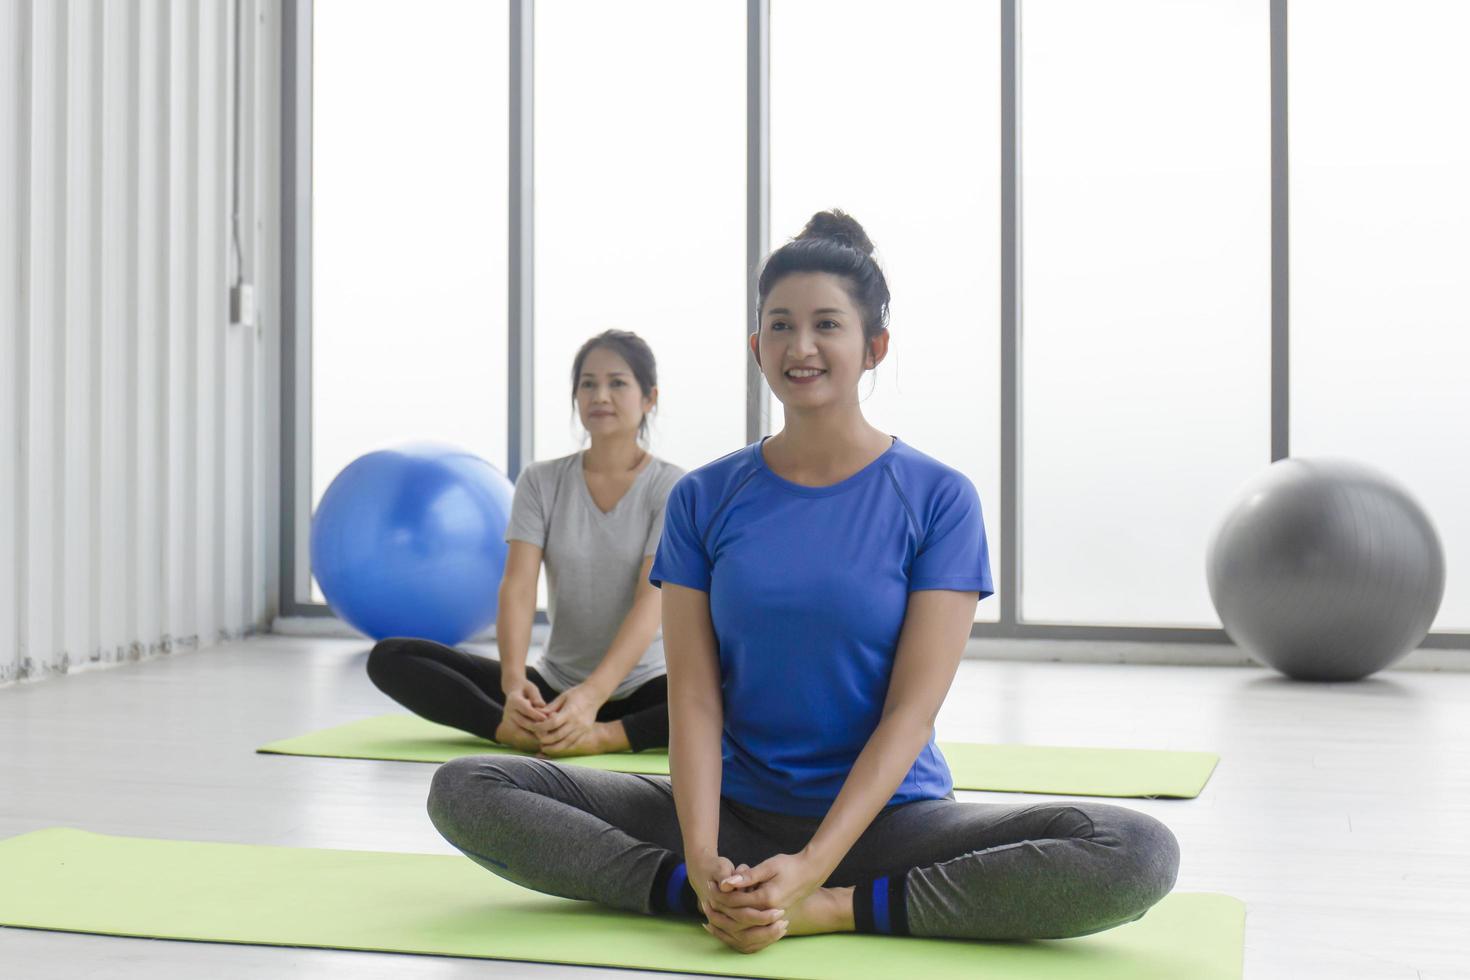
<point>592,562</point>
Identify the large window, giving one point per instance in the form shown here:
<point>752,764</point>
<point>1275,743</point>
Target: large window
<point>909,144</point>
<point>408,209</point>
<point>640,210</point>
<point>1380,253</point>
<point>1145,237</point>
<point>1146,309</point>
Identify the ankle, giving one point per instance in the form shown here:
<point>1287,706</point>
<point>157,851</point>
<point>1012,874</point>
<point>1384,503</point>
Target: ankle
<point>838,911</point>
<point>824,910</point>
<point>513,735</point>
<point>611,736</point>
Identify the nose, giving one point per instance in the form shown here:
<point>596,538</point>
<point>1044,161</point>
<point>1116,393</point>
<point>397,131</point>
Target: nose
<point>803,343</point>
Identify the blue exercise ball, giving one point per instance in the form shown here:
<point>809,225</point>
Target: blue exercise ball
<point>1326,569</point>
<point>410,541</point>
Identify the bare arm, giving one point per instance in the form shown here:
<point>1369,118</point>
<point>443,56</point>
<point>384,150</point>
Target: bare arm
<point>696,717</point>
<point>935,628</point>
<point>516,611</point>
<point>632,639</point>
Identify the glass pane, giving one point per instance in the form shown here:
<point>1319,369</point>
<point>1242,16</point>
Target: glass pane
<point>1146,307</point>
<point>909,144</point>
<point>640,210</point>
<point>408,228</point>
<point>1380,253</point>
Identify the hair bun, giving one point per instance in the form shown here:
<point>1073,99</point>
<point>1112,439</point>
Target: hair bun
<point>840,227</point>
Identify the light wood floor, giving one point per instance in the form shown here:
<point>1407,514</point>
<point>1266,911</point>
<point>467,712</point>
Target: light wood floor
<point>1339,813</point>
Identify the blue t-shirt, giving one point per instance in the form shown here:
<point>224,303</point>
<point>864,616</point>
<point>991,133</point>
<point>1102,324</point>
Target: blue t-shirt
<point>808,587</point>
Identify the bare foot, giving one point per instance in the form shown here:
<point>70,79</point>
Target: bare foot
<point>513,735</point>
<point>824,910</point>
<point>601,738</point>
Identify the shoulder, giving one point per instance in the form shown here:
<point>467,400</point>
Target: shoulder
<point>663,477</point>
<point>544,472</point>
<point>930,485</point>
<point>702,490</point>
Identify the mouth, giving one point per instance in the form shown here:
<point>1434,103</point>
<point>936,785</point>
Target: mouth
<point>599,415</point>
<point>804,376</point>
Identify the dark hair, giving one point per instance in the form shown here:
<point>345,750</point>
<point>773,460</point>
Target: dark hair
<point>631,348</point>
<point>832,242</point>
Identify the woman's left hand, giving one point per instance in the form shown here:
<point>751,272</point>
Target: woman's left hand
<point>569,718</point>
<point>779,882</point>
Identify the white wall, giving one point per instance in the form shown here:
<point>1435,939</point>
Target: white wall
<point>138,428</point>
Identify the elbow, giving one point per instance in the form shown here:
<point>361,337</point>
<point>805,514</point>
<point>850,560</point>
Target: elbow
<point>697,699</point>
<point>693,695</point>
<point>514,598</point>
<point>911,725</point>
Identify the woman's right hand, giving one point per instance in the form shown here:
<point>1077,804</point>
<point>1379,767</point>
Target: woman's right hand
<point>745,930</point>
<point>524,703</point>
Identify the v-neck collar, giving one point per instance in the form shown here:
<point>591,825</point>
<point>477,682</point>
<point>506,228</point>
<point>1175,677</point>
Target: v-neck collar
<point>587,490</point>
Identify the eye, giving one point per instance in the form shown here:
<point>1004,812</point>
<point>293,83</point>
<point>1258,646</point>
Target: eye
<point>620,383</point>
<point>778,324</point>
<point>832,323</point>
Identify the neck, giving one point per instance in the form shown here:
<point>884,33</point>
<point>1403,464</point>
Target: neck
<point>826,438</point>
<point>613,454</point>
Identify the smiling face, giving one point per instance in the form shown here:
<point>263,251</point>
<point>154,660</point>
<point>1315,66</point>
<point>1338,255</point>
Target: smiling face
<point>810,345</point>
<point>609,401</point>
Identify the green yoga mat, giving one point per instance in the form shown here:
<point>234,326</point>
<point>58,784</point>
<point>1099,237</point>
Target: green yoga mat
<point>75,881</point>
<point>1000,768</point>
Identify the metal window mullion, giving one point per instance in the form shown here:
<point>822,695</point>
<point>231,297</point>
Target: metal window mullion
<point>520,322</point>
<point>1099,633</point>
<point>757,199</point>
<point>1010,318</point>
<point>295,298</point>
<point>1280,242</point>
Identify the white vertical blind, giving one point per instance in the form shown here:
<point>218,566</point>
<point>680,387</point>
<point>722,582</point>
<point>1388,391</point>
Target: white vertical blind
<point>138,459</point>
<point>13,158</point>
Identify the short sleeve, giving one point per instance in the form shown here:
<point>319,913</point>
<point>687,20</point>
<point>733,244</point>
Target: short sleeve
<point>656,519</point>
<point>954,553</point>
<point>655,530</point>
<point>681,558</point>
<point>527,514</point>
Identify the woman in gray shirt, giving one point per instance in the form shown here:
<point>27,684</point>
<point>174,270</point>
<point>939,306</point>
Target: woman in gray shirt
<point>594,519</point>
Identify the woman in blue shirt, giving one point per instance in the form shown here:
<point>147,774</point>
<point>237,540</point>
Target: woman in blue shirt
<point>818,591</point>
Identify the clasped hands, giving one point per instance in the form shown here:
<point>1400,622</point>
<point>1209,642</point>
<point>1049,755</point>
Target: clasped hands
<point>554,729</point>
<point>750,908</point>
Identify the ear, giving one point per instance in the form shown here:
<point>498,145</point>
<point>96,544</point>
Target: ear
<point>877,350</point>
<point>755,346</point>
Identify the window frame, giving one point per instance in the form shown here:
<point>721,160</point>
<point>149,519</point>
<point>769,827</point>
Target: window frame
<point>294,599</point>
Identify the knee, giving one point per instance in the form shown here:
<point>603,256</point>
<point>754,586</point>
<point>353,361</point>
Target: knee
<point>469,789</point>
<point>1065,821</point>
<point>385,655</point>
<point>391,661</point>
<point>1150,855</point>
<point>1146,851</point>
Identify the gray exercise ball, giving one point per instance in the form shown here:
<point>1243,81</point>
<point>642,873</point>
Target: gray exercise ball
<point>1326,570</point>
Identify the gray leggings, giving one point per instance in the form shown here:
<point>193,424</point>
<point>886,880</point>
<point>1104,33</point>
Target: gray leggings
<point>960,870</point>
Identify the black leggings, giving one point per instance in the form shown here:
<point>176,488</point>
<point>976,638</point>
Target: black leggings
<point>461,690</point>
